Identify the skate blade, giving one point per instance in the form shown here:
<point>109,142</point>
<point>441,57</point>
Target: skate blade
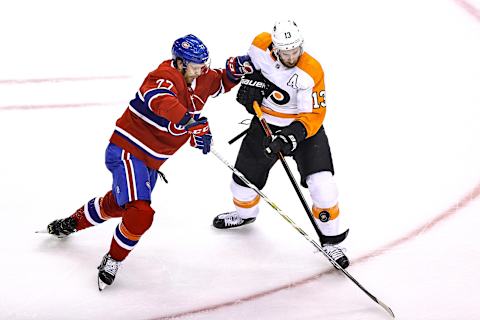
<point>101,285</point>
<point>55,236</point>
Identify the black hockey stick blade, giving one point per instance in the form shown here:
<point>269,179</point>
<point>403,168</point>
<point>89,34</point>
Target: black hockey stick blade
<point>334,239</point>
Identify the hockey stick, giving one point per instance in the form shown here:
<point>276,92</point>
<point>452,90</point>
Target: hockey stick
<point>241,134</point>
<point>238,136</point>
<point>300,230</point>
<point>280,156</point>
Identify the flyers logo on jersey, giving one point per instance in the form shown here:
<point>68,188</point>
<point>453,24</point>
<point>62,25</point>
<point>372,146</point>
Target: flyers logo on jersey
<point>279,96</point>
<point>273,92</point>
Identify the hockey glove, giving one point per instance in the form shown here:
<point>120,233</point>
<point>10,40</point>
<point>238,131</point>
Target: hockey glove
<point>237,67</point>
<point>253,87</point>
<point>287,139</point>
<point>200,135</point>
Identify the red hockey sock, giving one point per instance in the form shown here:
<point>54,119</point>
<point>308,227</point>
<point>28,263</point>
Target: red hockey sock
<point>109,206</point>
<point>137,219</point>
<point>82,222</point>
<point>96,211</point>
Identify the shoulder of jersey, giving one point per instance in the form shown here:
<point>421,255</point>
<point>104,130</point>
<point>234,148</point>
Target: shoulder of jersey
<point>311,66</point>
<point>166,70</point>
<point>212,73</point>
<point>262,41</point>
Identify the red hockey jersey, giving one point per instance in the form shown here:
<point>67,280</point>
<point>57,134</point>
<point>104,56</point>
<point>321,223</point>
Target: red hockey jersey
<point>147,129</point>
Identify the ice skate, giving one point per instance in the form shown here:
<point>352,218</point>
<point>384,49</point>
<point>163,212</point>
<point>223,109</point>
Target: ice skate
<point>337,254</point>
<point>61,228</point>
<point>107,271</point>
<point>230,220</point>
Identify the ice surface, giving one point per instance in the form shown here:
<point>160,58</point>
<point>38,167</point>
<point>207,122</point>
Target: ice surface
<point>403,100</point>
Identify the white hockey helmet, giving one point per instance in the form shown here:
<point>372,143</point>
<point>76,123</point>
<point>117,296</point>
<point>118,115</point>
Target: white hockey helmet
<point>286,35</point>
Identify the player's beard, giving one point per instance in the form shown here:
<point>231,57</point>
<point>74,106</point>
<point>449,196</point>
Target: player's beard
<point>289,64</point>
<point>190,77</point>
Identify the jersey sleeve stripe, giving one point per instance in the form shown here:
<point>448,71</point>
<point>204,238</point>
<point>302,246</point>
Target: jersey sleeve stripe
<point>150,118</point>
<point>312,121</point>
<point>150,95</point>
<point>221,88</point>
<point>278,114</point>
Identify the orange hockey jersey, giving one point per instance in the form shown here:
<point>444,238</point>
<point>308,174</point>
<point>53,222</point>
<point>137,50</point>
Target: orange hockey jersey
<point>301,90</point>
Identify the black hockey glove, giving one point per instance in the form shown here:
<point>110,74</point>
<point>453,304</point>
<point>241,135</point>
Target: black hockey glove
<point>287,139</point>
<point>253,87</point>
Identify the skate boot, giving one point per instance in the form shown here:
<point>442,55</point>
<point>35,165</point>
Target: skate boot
<point>62,227</point>
<point>337,254</point>
<point>230,220</point>
<point>107,271</point>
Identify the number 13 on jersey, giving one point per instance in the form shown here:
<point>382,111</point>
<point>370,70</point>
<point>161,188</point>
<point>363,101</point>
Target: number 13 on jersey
<point>319,96</point>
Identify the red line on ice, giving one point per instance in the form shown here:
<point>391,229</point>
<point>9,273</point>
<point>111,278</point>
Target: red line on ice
<point>472,195</point>
<point>64,79</point>
<point>55,80</point>
<point>465,201</point>
<point>470,8</point>
<point>57,106</point>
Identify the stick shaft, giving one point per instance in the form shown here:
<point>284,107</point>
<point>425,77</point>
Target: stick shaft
<point>280,156</point>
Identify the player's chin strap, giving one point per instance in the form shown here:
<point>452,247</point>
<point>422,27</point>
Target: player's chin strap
<point>300,230</point>
<point>323,238</point>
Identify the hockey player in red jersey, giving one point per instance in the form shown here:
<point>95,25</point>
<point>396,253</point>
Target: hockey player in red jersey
<point>289,85</point>
<point>163,116</point>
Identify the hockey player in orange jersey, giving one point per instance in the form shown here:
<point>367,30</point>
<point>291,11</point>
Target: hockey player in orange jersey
<point>163,116</point>
<point>289,85</point>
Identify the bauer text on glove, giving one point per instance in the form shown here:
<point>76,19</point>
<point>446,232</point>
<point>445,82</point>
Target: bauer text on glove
<point>253,87</point>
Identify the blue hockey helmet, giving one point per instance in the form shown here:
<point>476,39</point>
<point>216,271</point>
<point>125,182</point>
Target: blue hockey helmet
<point>190,49</point>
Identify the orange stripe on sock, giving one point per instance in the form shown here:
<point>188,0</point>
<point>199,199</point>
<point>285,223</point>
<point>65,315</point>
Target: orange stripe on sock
<point>103,214</point>
<point>247,204</point>
<point>128,234</point>
<point>333,211</point>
